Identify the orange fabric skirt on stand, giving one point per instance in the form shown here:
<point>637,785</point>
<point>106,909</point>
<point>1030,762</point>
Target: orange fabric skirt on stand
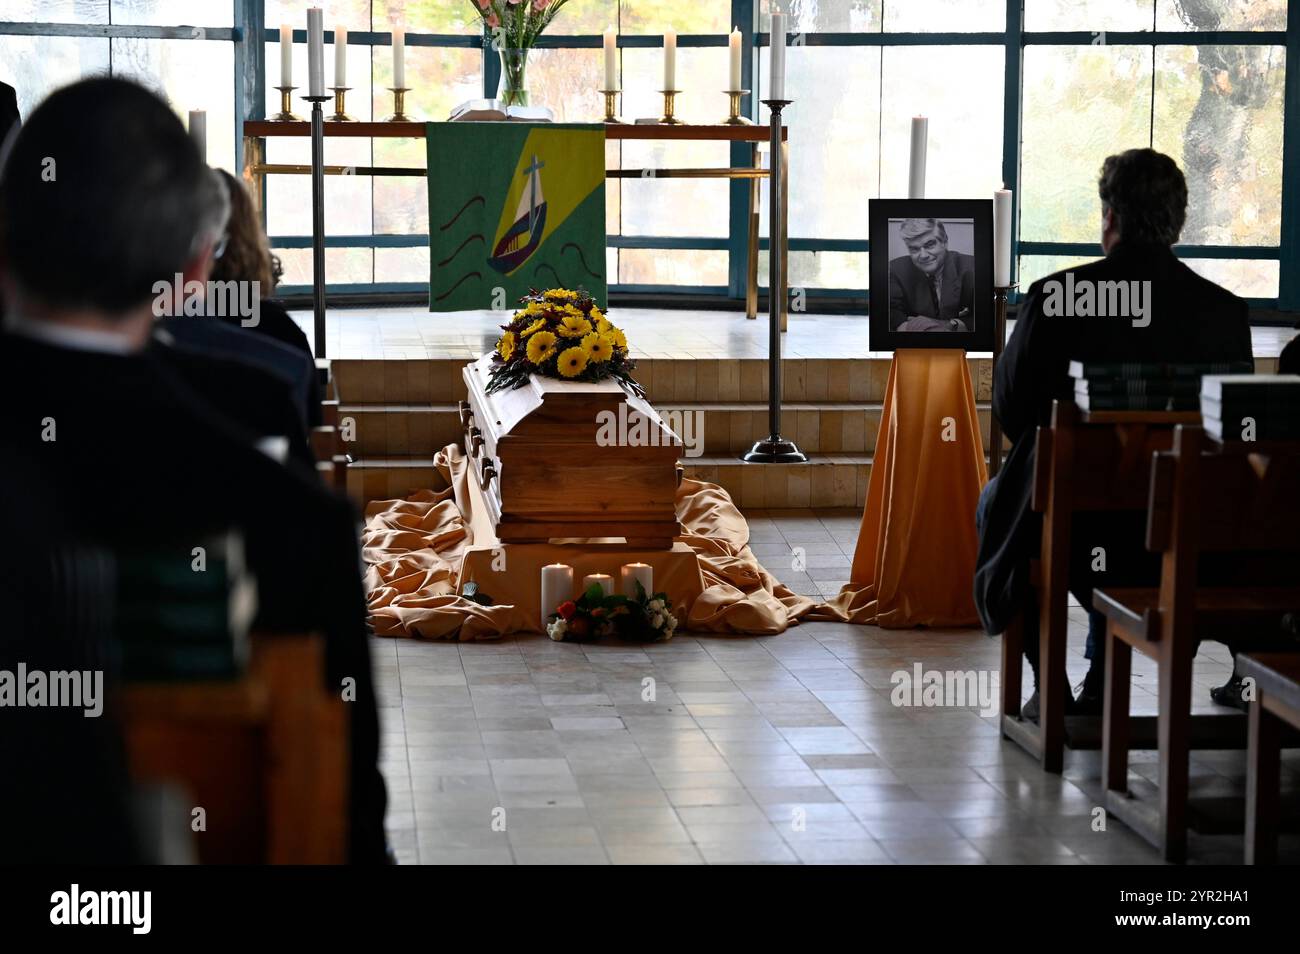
<point>915,559</point>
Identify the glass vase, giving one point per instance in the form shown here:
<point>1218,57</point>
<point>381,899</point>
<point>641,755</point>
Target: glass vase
<point>513,90</point>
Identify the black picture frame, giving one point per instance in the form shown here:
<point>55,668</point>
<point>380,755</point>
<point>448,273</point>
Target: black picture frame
<point>979,214</point>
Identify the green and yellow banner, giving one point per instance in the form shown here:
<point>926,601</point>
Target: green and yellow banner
<point>513,207</point>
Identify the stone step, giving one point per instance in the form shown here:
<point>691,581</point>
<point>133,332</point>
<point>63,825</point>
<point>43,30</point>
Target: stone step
<point>707,380</point>
<point>826,480</point>
<point>402,430</point>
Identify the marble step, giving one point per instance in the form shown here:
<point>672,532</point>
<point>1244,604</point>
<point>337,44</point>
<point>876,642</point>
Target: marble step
<point>826,480</point>
<point>694,380</point>
<point>401,430</point>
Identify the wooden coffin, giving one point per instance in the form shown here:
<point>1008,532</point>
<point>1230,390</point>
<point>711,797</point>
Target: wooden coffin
<point>544,457</point>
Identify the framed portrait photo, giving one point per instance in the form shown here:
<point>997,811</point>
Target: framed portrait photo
<point>931,273</point>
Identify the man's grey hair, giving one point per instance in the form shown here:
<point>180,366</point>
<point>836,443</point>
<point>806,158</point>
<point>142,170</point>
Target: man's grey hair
<point>214,211</point>
<point>914,228</point>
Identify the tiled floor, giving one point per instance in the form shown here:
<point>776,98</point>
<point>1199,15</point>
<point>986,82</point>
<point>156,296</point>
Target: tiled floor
<point>410,332</point>
<point>745,749</point>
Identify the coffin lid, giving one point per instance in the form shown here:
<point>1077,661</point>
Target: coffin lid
<point>532,409</point>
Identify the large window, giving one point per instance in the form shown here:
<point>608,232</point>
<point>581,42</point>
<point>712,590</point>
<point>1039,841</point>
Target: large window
<point>1033,93</point>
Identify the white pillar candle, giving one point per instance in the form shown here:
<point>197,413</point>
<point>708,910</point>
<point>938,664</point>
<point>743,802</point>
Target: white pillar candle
<point>916,164</point>
<point>611,59</point>
<point>341,56</point>
<point>670,59</point>
<point>778,57</point>
<point>603,580</point>
<point>632,573</point>
<point>199,131</point>
<point>1002,237</point>
<point>399,57</point>
<point>557,586</point>
<point>286,55</point>
<point>733,41</point>
<point>315,52</point>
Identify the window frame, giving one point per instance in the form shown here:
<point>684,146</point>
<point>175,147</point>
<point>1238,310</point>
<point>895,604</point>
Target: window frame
<point>249,82</point>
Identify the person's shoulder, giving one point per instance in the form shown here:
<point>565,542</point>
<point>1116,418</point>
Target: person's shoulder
<point>1206,292</point>
<point>279,324</point>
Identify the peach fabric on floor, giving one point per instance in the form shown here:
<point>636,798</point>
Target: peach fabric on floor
<point>915,560</point>
<point>416,547</point>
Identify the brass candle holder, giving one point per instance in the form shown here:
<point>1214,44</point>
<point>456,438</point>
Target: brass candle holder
<point>340,113</point>
<point>735,119</point>
<point>399,104</point>
<point>611,105</point>
<point>670,103</point>
<point>285,115</point>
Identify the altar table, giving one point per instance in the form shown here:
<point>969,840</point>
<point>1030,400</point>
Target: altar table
<point>256,168</point>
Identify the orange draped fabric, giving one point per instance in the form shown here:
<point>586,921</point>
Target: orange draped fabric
<point>419,548</point>
<point>915,559</point>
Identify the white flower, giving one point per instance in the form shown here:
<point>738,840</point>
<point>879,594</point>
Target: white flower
<point>656,606</point>
<point>657,621</point>
<point>557,630</point>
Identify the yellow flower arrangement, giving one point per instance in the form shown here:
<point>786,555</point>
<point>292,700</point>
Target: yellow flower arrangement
<point>560,334</point>
<point>573,361</point>
<point>541,347</point>
<point>574,326</point>
<point>598,347</point>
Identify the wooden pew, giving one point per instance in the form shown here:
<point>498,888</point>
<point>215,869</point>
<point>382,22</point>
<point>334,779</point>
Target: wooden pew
<point>1238,499</point>
<point>265,756</point>
<point>1276,705</point>
<point>1096,462</point>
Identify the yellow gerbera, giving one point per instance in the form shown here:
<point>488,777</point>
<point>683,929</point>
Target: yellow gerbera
<point>506,346</point>
<point>598,347</point>
<point>574,326</point>
<point>561,293</point>
<point>541,346</point>
<point>616,336</point>
<point>597,316</point>
<point>539,323</point>
<point>573,361</point>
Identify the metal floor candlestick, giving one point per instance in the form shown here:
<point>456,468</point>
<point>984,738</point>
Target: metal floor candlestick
<point>775,449</point>
<point>318,219</point>
<point>1000,297</point>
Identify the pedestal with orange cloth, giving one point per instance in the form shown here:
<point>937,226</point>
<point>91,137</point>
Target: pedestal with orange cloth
<point>915,559</point>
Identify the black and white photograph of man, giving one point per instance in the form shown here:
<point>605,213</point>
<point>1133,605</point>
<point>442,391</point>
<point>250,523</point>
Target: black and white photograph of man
<point>931,274</point>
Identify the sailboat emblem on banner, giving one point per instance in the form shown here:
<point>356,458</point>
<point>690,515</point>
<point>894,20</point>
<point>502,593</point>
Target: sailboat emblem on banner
<point>523,237</point>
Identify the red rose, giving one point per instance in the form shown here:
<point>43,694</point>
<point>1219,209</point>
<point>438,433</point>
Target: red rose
<point>566,610</point>
<point>579,626</point>
<point>598,612</point>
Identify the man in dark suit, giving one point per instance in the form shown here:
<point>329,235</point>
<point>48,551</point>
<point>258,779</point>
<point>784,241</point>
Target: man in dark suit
<point>931,288</point>
<point>117,428</point>
<point>1187,319</point>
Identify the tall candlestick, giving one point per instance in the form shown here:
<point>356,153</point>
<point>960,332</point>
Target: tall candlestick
<point>670,59</point>
<point>315,52</point>
<point>557,586</point>
<point>611,59</point>
<point>778,57</point>
<point>286,55</point>
<point>916,165</point>
<point>630,574</point>
<point>1002,237</point>
<point>199,131</point>
<point>734,43</point>
<point>341,57</point>
<point>399,57</point>
<point>603,580</point>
